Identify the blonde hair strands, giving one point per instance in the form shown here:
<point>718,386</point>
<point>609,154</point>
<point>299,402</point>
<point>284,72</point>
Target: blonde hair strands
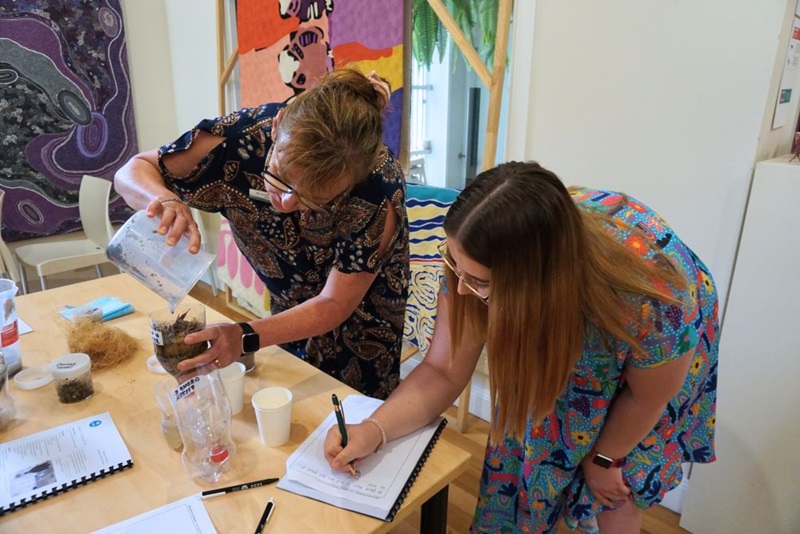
<point>332,131</point>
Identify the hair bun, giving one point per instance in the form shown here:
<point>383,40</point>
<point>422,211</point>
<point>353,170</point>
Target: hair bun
<point>381,87</point>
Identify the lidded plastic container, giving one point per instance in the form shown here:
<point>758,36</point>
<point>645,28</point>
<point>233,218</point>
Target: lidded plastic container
<point>72,374</point>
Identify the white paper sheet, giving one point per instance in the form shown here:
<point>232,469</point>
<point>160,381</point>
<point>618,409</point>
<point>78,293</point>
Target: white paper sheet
<point>23,327</point>
<point>187,516</point>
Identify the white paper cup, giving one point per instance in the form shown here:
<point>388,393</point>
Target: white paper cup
<point>273,407</point>
<point>233,382</point>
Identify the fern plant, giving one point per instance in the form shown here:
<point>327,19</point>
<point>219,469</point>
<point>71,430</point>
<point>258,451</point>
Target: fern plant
<point>477,19</point>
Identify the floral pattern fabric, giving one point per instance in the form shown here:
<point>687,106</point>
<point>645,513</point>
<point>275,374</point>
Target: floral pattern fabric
<point>529,485</point>
<point>293,253</point>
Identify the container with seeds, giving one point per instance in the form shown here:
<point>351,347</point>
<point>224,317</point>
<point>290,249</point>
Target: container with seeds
<point>72,374</point>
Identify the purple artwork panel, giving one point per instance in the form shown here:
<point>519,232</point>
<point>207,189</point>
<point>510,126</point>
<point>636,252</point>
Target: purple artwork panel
<point>66,110</point>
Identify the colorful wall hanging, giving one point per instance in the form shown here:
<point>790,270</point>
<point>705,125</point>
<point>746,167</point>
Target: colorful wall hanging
<point>285,45</point>
<point>65,110</point>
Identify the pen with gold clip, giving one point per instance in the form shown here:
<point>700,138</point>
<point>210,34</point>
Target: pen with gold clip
<point>339,410</point>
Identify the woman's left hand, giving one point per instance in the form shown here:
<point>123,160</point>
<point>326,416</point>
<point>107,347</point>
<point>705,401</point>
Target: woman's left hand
<point>607,485</point>
<point>225,345</point>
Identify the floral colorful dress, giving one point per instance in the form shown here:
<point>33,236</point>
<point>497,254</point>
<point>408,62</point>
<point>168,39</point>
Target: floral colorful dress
<point>293,253</point>
<point>527,486</point>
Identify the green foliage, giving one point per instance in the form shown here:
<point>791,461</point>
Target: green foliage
<point>477,19</point>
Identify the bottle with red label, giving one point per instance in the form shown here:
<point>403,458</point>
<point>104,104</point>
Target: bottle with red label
<point>203,413</point>
<point>9,330</point>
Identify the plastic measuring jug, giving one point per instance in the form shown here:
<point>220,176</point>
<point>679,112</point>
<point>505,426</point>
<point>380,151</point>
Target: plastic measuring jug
<point>171,271</point>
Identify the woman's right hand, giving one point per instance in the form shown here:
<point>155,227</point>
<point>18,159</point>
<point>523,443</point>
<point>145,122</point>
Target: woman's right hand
<point>362,440</point>
<point>175,220</point>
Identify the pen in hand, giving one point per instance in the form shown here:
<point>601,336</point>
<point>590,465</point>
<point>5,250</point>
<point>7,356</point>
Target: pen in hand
<point>266,515</point>
<point>239,487</point>
<point>339,410</point>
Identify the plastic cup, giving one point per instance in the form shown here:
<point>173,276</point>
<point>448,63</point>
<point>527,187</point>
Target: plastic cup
<point>233,383</point>
<point>169,424</point>
<point>168,329</point>
<point>273,407</point>
<point>171,271</point>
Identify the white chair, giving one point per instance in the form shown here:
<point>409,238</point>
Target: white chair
<point>416,171</point>
<point>8,266</point>
<point>61,256</point>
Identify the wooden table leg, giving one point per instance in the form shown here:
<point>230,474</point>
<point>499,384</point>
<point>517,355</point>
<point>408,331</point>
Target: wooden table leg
<point>434,513</point>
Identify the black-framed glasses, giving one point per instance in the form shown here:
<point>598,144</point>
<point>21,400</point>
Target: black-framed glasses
<point>286,189</point>
<point>466,279</point>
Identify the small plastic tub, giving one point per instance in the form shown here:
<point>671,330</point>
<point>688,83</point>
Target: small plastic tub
<point>72,374</point>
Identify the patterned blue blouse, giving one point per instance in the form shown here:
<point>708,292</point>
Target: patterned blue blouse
<point>294,253</point>
<point>529,485</point>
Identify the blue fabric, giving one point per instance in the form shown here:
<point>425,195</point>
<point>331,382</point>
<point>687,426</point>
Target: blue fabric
<point>427,207</point>
<point>112,307</point>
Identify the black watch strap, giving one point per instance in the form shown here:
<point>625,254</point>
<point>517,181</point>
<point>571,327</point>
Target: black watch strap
<point>251,342</point>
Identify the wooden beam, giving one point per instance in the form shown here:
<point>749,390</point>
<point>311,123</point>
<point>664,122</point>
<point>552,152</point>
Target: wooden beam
<point>496,86</point>
<point>220,53</point>
<point>473,58</point>
<point>225,74</point>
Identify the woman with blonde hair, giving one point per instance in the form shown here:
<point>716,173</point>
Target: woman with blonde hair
<point>316,204</point>
<point>601,329</point>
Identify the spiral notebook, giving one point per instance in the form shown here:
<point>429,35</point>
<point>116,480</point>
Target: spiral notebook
<point>386,477</point>
<point>41,465</point>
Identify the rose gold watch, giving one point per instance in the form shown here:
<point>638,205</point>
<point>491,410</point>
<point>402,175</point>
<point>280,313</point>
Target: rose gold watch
<point>604,461</point>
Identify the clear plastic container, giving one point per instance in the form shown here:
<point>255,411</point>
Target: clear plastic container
<point>171,271</point>
<point>204,422</point>
<point>169,423</point>
<point>72,374</point>
<point>9,329</point>
<point>7,409</point>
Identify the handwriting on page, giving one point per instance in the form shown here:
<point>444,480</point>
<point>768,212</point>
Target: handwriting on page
<point>344,482</point>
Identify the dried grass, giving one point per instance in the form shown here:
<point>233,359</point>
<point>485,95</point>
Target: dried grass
<point>107,346</point>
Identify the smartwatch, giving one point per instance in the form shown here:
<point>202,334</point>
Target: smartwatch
<point>604,461</point>
<point>250,340</point>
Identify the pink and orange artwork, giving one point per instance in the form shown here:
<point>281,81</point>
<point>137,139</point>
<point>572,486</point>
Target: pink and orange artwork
<point>286,45</point>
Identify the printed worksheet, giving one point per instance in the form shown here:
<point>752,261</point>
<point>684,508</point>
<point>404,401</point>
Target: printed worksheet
<point>384,477</point>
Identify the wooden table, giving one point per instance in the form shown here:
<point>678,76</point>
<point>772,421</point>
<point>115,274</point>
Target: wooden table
<point>157,477</point>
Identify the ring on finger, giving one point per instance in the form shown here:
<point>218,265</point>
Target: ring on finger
<point>217,363</point>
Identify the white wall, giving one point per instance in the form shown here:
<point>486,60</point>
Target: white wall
<point>150,71</point>
<point>172,57</point>
<point>661,100</point>
<point>192,26</point>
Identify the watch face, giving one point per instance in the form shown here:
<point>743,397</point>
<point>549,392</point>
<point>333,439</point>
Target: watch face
<point>250,343</point>
<point>602,461</point>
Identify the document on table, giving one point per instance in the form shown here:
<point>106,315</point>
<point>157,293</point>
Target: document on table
<point>386,477</point>
<point>187,516</point>
<point>23,327</point>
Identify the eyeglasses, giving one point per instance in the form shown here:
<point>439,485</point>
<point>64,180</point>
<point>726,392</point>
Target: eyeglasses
<point>288,190</point>
<point>466,279</point>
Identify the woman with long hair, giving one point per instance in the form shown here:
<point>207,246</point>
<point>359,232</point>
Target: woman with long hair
<point>601,332</point>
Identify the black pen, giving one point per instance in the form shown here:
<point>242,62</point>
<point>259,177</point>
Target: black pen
<point>266,515</point>
<point>339,410</point>
<point>230,489</point>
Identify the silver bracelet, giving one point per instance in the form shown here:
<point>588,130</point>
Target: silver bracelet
<point>382,431</point>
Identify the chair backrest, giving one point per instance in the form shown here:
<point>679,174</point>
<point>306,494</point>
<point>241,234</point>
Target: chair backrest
<point>416,171</point>
<point>93,205</point>
<point>427,207</point>
<point>8,265</point>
